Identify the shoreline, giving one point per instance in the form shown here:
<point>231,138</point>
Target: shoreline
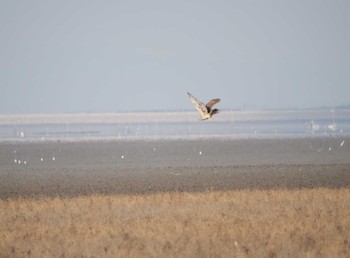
<point>172,138</point>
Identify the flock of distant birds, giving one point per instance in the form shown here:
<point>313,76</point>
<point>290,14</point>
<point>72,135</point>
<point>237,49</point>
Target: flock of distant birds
<point>23,161</point>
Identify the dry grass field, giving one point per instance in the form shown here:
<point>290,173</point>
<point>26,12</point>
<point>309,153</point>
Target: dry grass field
<point>240,223</point>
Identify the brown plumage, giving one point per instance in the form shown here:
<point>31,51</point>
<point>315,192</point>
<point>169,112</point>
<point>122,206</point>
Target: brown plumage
<point>206,111</point>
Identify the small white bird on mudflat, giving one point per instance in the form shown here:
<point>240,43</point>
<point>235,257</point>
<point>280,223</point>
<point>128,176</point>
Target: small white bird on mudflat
<point>207,110</point>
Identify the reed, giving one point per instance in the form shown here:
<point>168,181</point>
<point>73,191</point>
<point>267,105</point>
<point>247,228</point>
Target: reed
<point>242,223</point>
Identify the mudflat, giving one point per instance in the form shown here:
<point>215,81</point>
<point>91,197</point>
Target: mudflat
<point>59,168</point>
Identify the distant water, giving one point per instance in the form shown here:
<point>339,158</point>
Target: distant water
<point>177,125</point>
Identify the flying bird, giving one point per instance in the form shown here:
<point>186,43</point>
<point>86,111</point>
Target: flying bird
<point>206,111</point>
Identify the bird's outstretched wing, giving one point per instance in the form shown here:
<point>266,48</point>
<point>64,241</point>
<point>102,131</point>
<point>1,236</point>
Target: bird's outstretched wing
<point>212,102</point>
<point>198,104</point>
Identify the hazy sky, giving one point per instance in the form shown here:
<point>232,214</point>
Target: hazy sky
<point>107,56</point>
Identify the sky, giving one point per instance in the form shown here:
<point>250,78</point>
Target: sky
<point>122,56</point>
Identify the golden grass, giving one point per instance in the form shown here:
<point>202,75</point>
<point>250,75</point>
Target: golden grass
<point>244,223</point>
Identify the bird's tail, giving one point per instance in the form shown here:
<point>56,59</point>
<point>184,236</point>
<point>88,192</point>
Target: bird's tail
<point>214,111</point>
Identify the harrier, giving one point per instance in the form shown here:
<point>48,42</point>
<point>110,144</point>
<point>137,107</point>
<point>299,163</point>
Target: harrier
<point>206,111</point>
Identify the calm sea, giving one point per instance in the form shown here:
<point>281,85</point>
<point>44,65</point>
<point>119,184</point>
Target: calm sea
<point>176,125</point>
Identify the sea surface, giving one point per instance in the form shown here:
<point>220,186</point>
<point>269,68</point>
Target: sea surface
<point>176,125</point>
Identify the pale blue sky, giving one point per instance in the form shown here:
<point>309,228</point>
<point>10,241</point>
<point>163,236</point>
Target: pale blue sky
<point>108,56</point>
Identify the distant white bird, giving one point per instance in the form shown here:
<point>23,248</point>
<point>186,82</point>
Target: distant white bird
<point>313,126</point>
<point>332,127</point>
<point>206,111</point>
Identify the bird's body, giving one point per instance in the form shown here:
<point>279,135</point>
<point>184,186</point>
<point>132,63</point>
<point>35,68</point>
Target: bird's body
<point>206,111</point>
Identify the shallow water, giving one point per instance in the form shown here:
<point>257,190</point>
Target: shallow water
<point>178,125</point>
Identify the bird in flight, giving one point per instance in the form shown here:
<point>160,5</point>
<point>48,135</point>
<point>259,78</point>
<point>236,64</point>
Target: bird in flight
<point>206,111</point>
